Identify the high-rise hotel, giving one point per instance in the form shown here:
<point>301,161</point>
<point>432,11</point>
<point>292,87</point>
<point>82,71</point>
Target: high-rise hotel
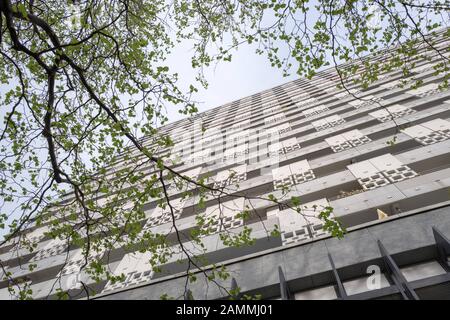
<point>379,156</point>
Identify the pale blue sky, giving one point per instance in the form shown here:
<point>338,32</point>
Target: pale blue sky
<point>246,74</point>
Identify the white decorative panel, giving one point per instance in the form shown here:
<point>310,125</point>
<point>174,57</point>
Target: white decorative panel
<point>136,268</point>
<point>200,156</point>
<point>231,176</point>
<point>392,168</point>
<point>283,128</point>
<point>364,102</point>
<point>395,83</point>
<point>380,171</point>
<point>356,137</point>
<point>298,227</point>
<point>240,124</point>
<point>368,175</point>
<point>245,115</point>
<point>36,235</point>
<point>289,145</point>
<point>423,68</point>
<point>292,227</point>
<point>299,97</point>
<point>301,171</point>
<point>284,146</point>
<point>206,140</point>
<point>164,215</point>
<point>320,124</point>
<point>334,120</point>
<point>327,122</point>
<point>53,248</point>
<point>271,110</point>
<point>274,118</point>
<point>311,210</point>
<point>223,216</point>
<point>439,125</point>
<point>425,90</point>
<point>193,173</point>
<point>179,184</point>
<point>338,143</point>
<point>313,111</point>
<point>292,174</point>
<point>305,103</point>
<point>279,129</point>
<point>344,94</point>
<point>392,112</point>
<point>236,153</point>
<point>282,177</point>
<point>76,260</point>
<point>424,135</point>
<point>275,148</point>
<point>239,137</point>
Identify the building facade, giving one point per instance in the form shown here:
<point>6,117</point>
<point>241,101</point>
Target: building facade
<point>380,157</point>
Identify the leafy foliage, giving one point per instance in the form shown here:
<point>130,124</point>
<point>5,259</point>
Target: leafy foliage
<point>84,81</point>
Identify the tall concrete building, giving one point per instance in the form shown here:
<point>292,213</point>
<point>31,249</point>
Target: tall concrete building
<point>380,157</point>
